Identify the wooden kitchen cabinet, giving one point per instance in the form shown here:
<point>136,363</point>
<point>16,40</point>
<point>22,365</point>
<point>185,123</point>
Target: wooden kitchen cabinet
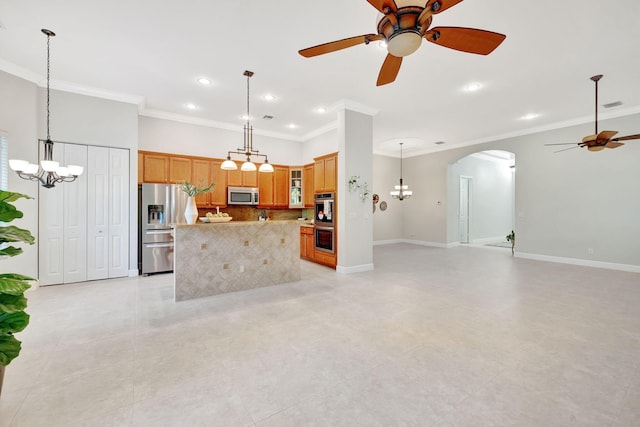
<point>179,169</point>
<point>308,190</point>
<point>155,167</point>
<point>204,172</point>
<point>307,247</point>
<point>325,258</point>
<point>324,173</point>
<point>239,178</point>
<point>218,197</point>
<point>281,186</point>
<point>274,187</point>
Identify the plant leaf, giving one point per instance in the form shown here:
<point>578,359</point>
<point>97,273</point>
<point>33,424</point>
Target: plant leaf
<point>12,303</point>
<point>9,349</point>
<point>14,284</point>
<point>12,233</point>
<point>10,251</point>
<point>10,196</point>
<point>9,212</point>
<point>13,322</point>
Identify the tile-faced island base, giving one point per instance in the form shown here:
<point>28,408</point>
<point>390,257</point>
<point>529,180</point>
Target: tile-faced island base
<point>213,259</point>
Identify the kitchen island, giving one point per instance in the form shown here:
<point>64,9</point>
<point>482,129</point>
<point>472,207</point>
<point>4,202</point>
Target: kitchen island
<point>212,259</point>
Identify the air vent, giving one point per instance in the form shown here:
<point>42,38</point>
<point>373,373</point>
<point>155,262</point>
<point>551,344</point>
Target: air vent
<point>267,117</point>
<point>439,142</point>
<point>613,104</point>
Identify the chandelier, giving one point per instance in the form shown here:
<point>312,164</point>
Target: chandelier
<point>401,191</point>
<point>48,172</point>
<point>247,150</point>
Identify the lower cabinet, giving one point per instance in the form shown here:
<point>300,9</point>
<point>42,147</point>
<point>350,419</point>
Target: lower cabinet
<point>307,247</point>
<point>325,258</point>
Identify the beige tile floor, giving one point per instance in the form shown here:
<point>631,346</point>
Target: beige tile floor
<point>432,337</point>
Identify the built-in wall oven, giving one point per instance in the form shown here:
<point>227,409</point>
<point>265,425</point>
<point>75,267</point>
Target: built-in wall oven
<point>324,222</point>
<point>324,238</point>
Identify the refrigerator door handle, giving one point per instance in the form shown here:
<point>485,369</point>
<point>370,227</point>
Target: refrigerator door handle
<point>159,231</point>
<point>158,245</point>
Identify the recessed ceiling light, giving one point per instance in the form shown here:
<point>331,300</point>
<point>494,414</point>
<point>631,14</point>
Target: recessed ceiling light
<point>269,97</point>
<point>529,116</point>
<point>190,106</point>
<point>321,110</point>
<point>204,81</point>
<point>291,126</point>
<point>473,87</point>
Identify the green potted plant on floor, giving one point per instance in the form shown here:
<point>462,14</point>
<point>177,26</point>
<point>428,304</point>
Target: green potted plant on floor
<point>13,318</point>
<point>511,237</point>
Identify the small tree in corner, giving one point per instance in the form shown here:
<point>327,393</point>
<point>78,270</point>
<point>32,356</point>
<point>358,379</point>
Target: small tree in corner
<point>511,237</point>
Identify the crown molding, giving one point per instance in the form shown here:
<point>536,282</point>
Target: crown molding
<point>347,104</point>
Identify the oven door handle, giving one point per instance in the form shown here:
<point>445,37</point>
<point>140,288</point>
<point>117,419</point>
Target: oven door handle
<point>324,228</point>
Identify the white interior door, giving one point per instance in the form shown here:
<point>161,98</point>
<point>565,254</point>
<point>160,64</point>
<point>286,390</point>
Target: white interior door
<point>75,216</point>
<point>465,194</point>
<point>118,212</point>
<point>98,214</point>
<point>51,229</point>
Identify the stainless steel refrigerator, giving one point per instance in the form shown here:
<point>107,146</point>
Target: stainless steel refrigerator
<point>162,206</point>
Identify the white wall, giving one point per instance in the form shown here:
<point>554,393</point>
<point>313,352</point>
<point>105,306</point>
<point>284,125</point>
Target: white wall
<point>566,203</point>
<point>18,118</point>
<point>325,143</point>
<point>491,197</point>
<point>387,225</point>
<point>196,140</point>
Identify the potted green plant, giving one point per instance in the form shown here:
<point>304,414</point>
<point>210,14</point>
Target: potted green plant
<point>191,211</point>
<point>13,318</point>
<point>511,237</point>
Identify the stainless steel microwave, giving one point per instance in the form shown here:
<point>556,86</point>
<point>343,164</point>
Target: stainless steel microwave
<point>242,196</point>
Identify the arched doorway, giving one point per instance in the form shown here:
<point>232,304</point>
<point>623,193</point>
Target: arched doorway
<point>481,189</point>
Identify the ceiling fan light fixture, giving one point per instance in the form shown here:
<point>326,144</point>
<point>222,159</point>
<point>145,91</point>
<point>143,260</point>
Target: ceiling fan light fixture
<point>404,43</point>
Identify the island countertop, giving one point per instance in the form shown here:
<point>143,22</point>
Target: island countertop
<point>215,258</point>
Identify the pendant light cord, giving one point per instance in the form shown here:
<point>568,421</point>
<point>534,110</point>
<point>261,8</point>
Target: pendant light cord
<point>48,77</point>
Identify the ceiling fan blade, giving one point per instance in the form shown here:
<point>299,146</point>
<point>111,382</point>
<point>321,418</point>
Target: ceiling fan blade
<point>565,149</point>
<point>389,70</point>
<point>589,138</point>
<point>596,148</point>
<point>612,144</point>
<point>382,4</point>
<point>606,135</point>
<point>338,45</point>
<point>442,5</point>
<point>471,40</point>
<point>627,138</point>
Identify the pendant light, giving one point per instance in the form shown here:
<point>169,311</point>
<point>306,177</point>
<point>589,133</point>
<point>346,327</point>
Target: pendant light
<point>401,191</point>
<point>247,150</point>
<point>48,172</point>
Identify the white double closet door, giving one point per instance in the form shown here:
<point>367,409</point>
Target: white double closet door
<point>84,225</point>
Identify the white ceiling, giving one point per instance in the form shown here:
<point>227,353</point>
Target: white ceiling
<point>152,52</point>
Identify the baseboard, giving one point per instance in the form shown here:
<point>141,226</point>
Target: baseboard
<point>416,242</point>
<point>488,240</point>
<point>134,273</point>
<point>582,262</point>
<point>354,269</point>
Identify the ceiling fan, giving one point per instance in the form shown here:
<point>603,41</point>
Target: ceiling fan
<point>599,140</point>
<point>402,28</point>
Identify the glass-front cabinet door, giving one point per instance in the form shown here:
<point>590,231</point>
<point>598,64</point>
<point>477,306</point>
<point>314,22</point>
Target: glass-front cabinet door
<point>295,188</point>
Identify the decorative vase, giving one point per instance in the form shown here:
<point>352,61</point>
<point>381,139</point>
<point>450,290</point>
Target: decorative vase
<point>191,211</point>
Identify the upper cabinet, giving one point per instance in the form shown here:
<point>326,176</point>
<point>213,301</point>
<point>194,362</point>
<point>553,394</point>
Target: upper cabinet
<point>204,171</point>
<point>274,187</point>
<point>295,188</point>
<point>155,167</point>
<point>239,178</point>
<point>179,169</point>
<point>324,176</point>
<point>308,185</point>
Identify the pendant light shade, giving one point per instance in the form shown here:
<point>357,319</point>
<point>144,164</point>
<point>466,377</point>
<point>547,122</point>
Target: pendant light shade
<point>247,149</point>
<point>401,191</point>
<point>48,172</point>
